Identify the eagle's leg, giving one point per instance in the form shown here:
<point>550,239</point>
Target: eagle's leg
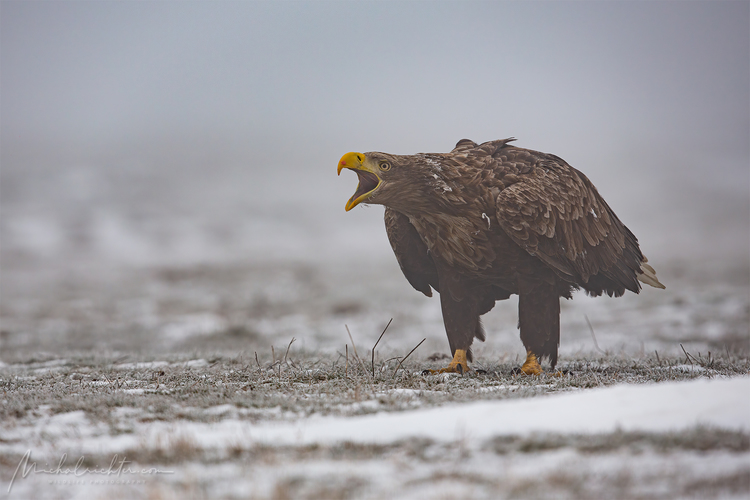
<point>461,319</point>
<point>458,365</point>
<point>539,321</point>
<point>531,366</point>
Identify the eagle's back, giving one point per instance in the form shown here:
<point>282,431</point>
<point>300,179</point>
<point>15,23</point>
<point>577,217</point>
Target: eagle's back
<point>509,210</point>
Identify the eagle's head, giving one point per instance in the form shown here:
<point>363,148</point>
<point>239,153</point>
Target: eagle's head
<point>384,179</point>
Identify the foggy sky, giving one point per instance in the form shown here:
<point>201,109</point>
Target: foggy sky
<point>641,96</point>
<point>384,74</point>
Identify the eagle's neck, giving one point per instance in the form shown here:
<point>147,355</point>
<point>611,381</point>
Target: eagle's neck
<point>428,190</point>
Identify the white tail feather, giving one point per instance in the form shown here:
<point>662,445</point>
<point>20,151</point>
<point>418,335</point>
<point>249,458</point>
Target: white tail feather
<point>648,275</point>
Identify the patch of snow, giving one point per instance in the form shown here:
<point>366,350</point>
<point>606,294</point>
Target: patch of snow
<point>689,368</point>
<point>657,407</point>
<point>193,325</point>
<point>141,366</point>
<point>126,412</point>
<point>407,392</point>
<point>494,388</point>
<point>71,426</point>
<point>195,363</point>
<point>54,362</point>
<point>52,369</point>
<point>432,162</point>
<point>113,235</point>
<point>44,367</point>
<point>362,406</point>
<point>220,410</point>
<point>152,365</point>
<point>38,235</point>
<point>133,391</point>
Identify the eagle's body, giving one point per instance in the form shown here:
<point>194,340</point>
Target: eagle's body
<point>486,221</point>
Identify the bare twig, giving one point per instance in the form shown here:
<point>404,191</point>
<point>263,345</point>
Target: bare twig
<point>346,368</point>
<point>356,355</point>
<point>350,338</point>
<point>256,360</point>
<point>657,357</point>
<point>273,355</point>
<point>687,356</point>
<point>376,344</point>
<point>287,348</point>
<point>402,361</point>
<point>591,329</point>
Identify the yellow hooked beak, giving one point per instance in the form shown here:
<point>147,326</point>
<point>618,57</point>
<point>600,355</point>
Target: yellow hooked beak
<point>368,178</point>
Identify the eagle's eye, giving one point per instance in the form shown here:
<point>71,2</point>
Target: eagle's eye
<point>384,166</point>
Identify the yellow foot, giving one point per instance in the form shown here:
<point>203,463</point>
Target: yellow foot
<point>531,366</point>
<point>458,365</point>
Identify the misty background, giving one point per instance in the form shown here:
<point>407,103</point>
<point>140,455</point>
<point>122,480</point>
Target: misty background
<point>167,169</point>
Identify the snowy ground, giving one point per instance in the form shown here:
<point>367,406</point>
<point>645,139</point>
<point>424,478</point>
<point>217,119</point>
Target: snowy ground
<point>315,427</point>
<point>227,308</point>
<point>149,319</point>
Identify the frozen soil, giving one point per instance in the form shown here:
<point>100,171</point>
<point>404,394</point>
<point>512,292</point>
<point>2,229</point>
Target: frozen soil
<point>152,411</point>
<point>299,384</point>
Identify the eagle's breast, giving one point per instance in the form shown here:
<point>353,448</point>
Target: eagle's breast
<point>458,227</point>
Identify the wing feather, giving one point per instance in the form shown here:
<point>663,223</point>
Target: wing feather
<point>555,213</point>
<point>411,252</point>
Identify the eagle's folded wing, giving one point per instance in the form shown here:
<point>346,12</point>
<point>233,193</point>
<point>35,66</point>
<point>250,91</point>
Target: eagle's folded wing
<point>411,252</point>
<point>556,214</point>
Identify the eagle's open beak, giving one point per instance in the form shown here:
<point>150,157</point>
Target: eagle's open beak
<point>368,179</point>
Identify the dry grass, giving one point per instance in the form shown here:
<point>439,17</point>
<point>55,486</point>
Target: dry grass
<point>124,391</point>
<point>303,384</point>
